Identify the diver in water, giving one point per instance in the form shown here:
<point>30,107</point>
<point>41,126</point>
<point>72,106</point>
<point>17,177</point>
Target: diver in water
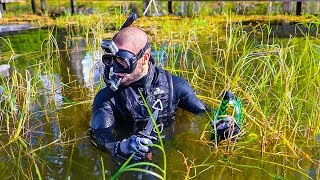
<point>119,114</point>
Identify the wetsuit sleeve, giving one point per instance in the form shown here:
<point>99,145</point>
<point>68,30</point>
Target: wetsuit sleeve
<point>103,121</point>
<point>185,96</point>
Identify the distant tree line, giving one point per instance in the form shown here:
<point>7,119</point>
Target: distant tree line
<point>287,6</point>
<point>43,6</point>
<point>147,4</point>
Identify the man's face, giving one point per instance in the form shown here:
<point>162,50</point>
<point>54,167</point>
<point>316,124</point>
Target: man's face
<point>126,62</point>
<point>137,74</point>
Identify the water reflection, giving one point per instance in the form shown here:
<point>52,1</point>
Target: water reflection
<point>4,70</point>
<point>92,68</point>
<point>53,122</point>
<point>1,91</point>
<point>45,108</point>
<point>85,65</point>
<point>160,55</point>
<point>76,53</point>
<point>52,90</point>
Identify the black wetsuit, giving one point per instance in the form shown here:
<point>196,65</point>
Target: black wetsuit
<point>125,112</point>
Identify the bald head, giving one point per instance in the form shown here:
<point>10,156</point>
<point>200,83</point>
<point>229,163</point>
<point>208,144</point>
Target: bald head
<point>131,38</point>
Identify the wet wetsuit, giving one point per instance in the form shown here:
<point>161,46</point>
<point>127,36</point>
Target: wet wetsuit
<point>125,112</point>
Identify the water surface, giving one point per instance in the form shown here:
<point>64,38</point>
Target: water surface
<point>56,117</point>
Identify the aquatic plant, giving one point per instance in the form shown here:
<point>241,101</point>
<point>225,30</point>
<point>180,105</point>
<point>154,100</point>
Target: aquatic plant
<point>276,79</point>
<point>20,102</point>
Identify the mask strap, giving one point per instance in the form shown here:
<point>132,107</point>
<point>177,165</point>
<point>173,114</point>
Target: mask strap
<point>142,51</point>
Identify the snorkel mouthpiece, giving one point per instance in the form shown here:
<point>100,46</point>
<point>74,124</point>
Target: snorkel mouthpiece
<point>114,82</point>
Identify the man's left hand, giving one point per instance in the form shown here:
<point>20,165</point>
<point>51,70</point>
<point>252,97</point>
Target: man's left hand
<point>226,127</point>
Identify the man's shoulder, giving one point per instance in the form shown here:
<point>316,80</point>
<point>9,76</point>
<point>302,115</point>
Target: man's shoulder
<point>175,79</point>
<point>181,87</point>
<point>178,80</point>
<point>159,69</point>
<point>104,95</point>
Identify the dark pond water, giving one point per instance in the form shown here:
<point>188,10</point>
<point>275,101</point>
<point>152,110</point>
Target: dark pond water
<point>76,158</point>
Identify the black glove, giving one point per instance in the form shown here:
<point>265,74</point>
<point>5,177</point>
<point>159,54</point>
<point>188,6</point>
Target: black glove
<point>226,127</point>
<point>134,144</point>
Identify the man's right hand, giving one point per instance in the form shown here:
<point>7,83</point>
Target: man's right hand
<point>134,144</point>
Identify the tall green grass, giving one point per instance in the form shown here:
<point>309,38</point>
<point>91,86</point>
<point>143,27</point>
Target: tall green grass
<point>276,78</point>
<point>21,93</point>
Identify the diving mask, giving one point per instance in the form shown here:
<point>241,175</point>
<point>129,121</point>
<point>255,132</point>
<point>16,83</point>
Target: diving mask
<point>122,61</point>
<point>119,61</point>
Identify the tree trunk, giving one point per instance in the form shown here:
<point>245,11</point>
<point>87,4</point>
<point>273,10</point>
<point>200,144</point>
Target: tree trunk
<point>73,6</point>
<point>33,6</point>
<point>4,7</point>
<point>287,6</point>
<point>145,5</point>
<point>221,7</point>
<point>1,10</point>
<point>170,7</point>
<point>43,6</point>
<point>299,8</point>
<point>317,8</point>
<point>269,10</point>
<point>182,7</point>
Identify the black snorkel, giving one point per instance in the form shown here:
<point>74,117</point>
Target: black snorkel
<point>132,17</point>
<point>110,48</point>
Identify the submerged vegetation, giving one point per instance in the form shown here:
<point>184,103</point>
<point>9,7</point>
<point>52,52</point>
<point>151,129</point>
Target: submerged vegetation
<point>45,110</point>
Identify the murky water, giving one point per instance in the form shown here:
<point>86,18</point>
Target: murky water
<point>77,158</point>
